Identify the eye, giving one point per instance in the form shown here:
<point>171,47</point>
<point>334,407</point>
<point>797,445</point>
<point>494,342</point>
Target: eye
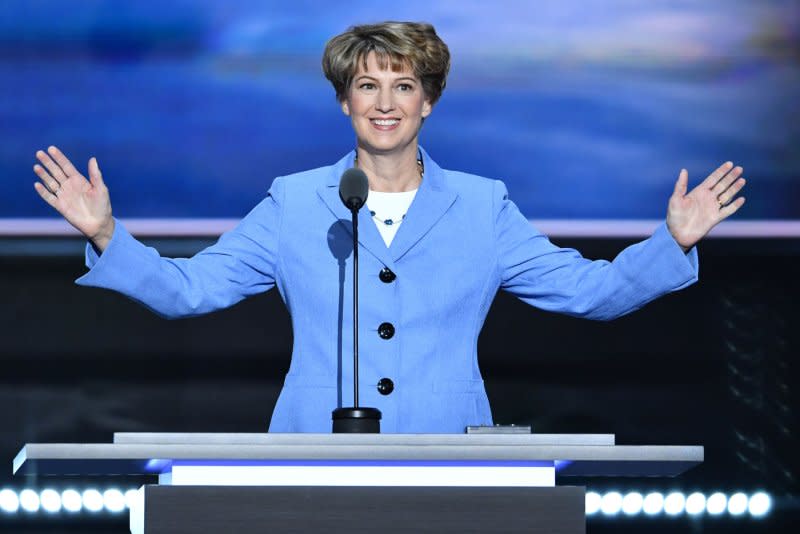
<point>367,86</point>
<point>405,87</point>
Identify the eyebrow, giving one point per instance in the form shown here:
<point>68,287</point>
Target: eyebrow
<point>408,78</point>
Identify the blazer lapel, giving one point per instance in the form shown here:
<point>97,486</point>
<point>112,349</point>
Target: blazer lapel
<point>430,203</point>
<point>368,236</point>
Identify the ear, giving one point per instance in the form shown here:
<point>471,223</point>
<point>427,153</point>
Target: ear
<point>426,108</point>
<point>345,107</point>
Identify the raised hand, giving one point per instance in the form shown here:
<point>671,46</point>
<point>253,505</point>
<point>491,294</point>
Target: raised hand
<point>85,204</point>
<point>691,216</point>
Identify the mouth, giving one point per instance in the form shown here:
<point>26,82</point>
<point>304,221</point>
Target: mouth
<point>385,124</point>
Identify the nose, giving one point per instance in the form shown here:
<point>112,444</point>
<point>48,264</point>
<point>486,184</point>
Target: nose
<point>385,101</point>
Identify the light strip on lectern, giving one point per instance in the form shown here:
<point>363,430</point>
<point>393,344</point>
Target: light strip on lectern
<point>366,475</point>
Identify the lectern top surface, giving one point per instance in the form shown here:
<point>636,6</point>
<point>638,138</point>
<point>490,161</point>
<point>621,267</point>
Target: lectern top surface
<point>150,458</point>
<point>360,439</point>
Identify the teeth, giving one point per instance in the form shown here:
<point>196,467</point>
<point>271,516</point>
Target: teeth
<point>385,122</point>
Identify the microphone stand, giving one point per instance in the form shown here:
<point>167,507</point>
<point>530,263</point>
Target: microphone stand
<point>355,307</point>
<point>356,420</point>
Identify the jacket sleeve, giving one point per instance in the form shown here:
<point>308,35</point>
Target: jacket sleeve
<point>243,262</point>
<point>560,279</point>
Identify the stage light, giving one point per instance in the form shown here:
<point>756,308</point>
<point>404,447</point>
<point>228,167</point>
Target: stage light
<point>632,503</point>
<point>92,500</point>
<point>9,501</point>
<point>71,501</point>
<point>716,504</point>
<point>50,500</point>
<point>114,500</point>
<point>695,503</point>
<point>611,503</point>
<point>29,500</point>
<point>759,504</point>
<point>653,503</point>
<point>674,503</point>
<point>737,504</point>
<point>593,502</point>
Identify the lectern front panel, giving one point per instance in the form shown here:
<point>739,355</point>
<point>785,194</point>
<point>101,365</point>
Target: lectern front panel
<point>255,510</point>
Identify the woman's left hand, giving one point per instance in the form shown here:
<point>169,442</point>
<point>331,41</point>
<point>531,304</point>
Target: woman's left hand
<point>691,216</point>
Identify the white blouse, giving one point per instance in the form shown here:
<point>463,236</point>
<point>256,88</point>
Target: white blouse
<point>389,207</point>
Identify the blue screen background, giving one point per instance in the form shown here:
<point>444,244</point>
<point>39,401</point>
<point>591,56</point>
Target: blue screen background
<point>587,110</point>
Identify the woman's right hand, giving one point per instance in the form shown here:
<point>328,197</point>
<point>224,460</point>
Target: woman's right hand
<point>85,204</point>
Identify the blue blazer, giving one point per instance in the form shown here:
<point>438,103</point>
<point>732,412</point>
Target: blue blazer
<point>461,241</point>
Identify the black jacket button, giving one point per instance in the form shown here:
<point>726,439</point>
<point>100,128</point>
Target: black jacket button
<point>385,386</point>
<point>386,275</point>
<point>386,330</point>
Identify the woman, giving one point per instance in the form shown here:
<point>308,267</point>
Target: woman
<point>436,247</point>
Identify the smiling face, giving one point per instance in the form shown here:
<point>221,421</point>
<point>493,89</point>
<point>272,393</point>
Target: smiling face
<point>386,108</point>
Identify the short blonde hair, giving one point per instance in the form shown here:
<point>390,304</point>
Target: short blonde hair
<point>401,44</point>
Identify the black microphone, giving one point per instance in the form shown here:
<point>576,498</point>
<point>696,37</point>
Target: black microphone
<point>353,190</point>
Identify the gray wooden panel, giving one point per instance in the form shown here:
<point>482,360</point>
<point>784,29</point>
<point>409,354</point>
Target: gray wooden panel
<point>191,509</point>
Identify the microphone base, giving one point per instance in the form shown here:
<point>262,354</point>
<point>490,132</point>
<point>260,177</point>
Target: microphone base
<point>356,421</point>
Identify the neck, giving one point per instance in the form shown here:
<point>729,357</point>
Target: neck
<point>390,173</point>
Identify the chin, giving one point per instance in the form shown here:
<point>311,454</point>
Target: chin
<point>383,146</point>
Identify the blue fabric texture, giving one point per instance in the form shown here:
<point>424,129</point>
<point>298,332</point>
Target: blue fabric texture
<point>461,242</point>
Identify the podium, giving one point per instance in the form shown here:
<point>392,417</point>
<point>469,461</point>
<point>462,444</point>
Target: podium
<point>252,483</point>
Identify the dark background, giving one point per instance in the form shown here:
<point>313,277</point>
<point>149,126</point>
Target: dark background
<point>714,365</point>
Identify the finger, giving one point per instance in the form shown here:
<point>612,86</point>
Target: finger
<point>55,171</point>
<point>727,180</point>
<point>726,196</point>
<point>48,197</point>
<point>95,176</point>
<point>715,176</point>
<point>730,209</point>
<point>682,183</point>
<point>62,161</point>
<point>49,182</point>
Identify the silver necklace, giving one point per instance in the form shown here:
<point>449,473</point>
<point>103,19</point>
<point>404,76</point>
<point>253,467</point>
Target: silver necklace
<point>386,220</point>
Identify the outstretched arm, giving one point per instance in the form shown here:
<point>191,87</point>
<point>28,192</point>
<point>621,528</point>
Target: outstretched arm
<point>241,263</point>
<point>85,204</point>
<point>562,280</point>
<point>691,216</point>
